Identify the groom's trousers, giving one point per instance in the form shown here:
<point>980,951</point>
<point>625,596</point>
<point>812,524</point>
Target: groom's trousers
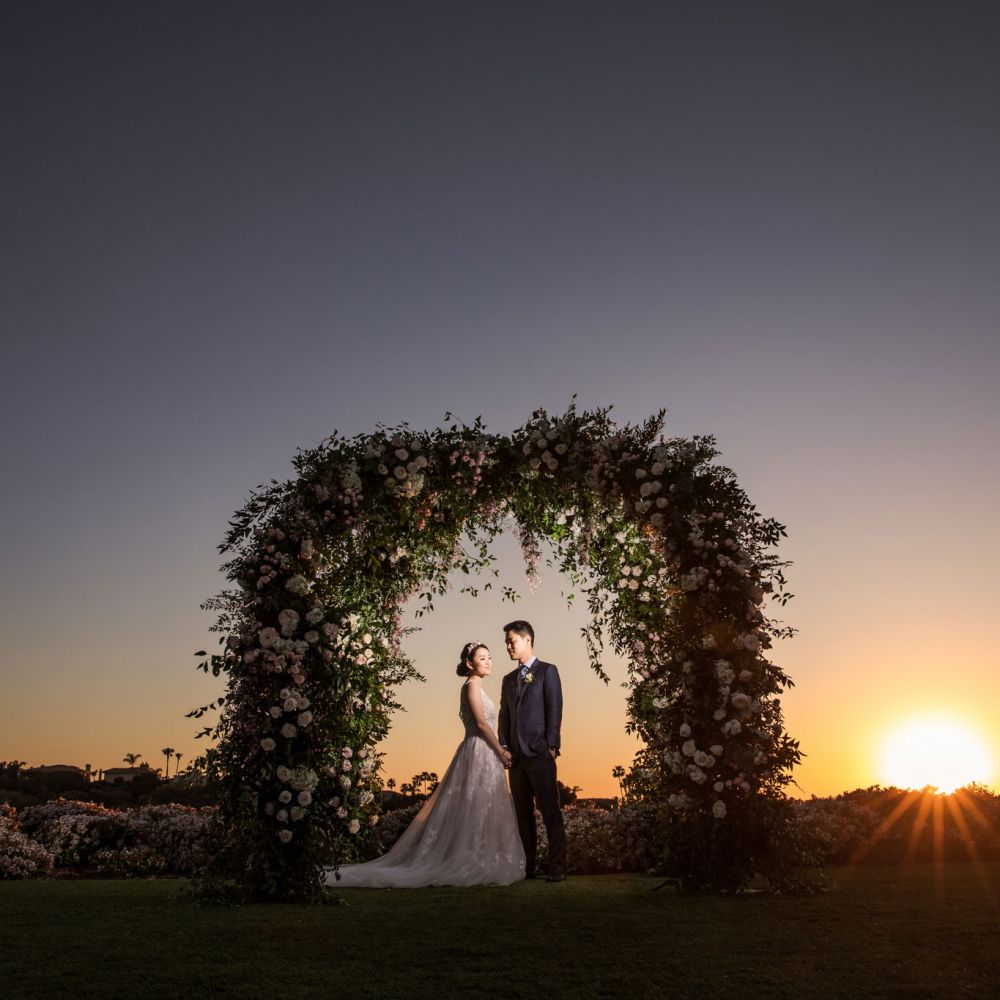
<point>531,778</point>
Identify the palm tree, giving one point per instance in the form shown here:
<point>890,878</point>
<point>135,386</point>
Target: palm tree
<point>618,772</point>
<point>167,752</point>
<point>406,789</point>
<point>131,758</point>
<point>432,779</point>
<point>391,784</point>
<point>177,762</point>
<point>415,782</point>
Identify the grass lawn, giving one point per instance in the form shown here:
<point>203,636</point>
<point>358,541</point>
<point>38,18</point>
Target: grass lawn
<point>887,931</point>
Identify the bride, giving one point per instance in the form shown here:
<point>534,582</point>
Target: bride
<point>466,832</point>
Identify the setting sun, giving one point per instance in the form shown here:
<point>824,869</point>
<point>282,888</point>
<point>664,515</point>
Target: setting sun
<point>934,751</point>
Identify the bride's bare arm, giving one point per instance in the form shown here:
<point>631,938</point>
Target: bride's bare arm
<point>474,685</point>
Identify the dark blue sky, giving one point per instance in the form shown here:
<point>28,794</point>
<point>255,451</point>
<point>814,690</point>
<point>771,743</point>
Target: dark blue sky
<point>229,228</point>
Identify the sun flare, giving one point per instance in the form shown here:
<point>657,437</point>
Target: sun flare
<point>935,751</point>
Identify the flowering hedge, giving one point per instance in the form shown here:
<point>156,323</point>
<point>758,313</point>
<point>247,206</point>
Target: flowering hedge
<point>676,565</point>
<point>20,856</point>
<point>149,840</point>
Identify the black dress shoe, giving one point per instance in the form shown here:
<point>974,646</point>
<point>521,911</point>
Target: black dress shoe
<point>555,877</point>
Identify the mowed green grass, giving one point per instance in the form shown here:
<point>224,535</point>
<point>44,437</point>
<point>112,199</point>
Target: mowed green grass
<point>921,931</point>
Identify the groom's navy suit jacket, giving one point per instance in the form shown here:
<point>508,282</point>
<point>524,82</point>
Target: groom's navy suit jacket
<point>531,714</point>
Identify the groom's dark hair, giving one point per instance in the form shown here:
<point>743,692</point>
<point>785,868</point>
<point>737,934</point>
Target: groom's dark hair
<point>521,627</point>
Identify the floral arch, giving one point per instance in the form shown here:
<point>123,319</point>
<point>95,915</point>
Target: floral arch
<point>676,565</point>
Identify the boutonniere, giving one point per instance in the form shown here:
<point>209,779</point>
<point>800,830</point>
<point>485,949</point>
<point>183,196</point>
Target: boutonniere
<point>528,678</point>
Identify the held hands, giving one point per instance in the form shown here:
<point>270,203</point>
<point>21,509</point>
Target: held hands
<point>506,757</point>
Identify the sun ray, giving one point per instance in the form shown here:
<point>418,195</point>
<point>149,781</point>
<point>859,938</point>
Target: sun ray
<point>969,804</point>
<point>955,807</point>
<point>938,843</point>
<point>885,826</point>
<point>919,825</point>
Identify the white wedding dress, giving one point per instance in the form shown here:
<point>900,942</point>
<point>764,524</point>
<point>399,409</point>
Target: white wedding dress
<point>466,832</point>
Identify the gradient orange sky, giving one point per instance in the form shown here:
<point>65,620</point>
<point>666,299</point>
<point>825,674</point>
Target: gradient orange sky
<point>230,229</point>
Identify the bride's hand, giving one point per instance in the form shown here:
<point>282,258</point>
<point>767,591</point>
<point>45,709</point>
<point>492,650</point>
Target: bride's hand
<point>506,757</point>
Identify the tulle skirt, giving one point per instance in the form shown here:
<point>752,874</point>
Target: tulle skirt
<point>465,834</point>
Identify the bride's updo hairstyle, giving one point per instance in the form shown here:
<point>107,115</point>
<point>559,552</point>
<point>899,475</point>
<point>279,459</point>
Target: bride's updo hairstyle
<point>468,652</point>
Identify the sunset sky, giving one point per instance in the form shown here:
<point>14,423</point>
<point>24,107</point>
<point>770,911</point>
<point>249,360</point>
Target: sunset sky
<point>229,229</point>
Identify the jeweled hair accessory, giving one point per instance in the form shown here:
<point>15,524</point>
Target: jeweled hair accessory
<point>470,646</point>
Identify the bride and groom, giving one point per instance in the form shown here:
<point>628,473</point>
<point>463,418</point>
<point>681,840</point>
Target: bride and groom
<point>473,830</point>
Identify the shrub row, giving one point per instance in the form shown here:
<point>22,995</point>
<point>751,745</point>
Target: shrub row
<point>873,824</point>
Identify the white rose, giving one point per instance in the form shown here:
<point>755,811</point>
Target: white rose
<point>685,730</point>
<point>342,812</point>
<point>740,701</point>
<point>290,703</point>
<point>285,796</point>
<point>304,718</point>
<point>274,711</point>
<point>345,782</point>
<point>718,786</point>
<point>268,637</point>
<point>284,836</point>
<point>719,810</point>
<point>297,814</point>
<point>701,758</point>
<point>353,826</point>
<point>311,636</point>
<point>298,584</point>
<point>282,815</point>
<point>305,798</point>
<point>289,731</point>
<point>314,616</point>
<point>716,748</point>
<point>283,773</point>
<point>689,748</point>
<point>268,744</point>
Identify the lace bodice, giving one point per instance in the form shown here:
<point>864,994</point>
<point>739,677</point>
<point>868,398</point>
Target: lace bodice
<point>465,713</point>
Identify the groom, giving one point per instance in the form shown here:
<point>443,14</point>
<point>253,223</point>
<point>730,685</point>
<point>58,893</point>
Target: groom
<point>530,716</point>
